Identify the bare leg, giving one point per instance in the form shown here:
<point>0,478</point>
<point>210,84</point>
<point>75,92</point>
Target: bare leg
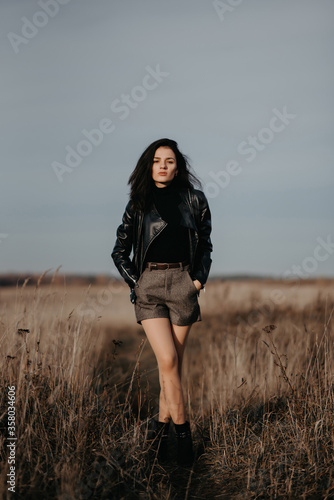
<point>180,335</point>
<point>168,343</point>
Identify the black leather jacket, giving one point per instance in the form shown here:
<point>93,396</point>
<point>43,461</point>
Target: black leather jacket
<point>138,230</point>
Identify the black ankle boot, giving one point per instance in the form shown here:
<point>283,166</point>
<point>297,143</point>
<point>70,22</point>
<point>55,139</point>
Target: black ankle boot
<point>161,438</point>
<point>185,454</point>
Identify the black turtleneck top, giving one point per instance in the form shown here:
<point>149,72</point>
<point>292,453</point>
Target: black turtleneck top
<point>172,243</point>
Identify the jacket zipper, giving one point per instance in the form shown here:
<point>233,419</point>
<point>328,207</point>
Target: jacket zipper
<point>140,225</point>
<point>153,240</point>
<point>194,253</point>
<point>135,282</point>
<point>194,257</point>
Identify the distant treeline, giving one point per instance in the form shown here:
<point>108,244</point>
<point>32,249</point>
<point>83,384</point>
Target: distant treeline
<point>13,279</point>
<point>46,279</point>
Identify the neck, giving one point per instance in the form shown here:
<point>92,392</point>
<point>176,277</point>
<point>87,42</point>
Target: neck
<point>159,185</point>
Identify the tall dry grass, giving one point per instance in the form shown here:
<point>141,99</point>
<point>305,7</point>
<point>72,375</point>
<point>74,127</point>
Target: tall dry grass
<point>259,398</point>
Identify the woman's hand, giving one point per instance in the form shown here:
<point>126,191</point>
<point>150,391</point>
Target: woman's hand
<point>197,284</point>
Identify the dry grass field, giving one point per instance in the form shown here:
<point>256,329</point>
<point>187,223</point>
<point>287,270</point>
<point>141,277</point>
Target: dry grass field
<point>258,382</point>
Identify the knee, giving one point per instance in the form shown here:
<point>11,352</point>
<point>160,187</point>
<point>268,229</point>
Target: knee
<point>168,362</point>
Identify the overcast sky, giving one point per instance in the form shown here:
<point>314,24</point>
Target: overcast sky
<point>244,87</point>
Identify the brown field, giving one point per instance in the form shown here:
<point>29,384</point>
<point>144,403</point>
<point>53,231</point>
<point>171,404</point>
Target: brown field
<point>260,400</point>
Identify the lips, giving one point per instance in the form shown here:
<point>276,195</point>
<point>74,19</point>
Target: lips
<point>162,173</point>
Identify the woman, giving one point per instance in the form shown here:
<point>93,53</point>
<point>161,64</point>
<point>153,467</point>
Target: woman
<point>167,224</point>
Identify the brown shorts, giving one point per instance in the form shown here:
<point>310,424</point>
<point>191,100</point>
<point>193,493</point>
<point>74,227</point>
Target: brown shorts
<point>168,293</point>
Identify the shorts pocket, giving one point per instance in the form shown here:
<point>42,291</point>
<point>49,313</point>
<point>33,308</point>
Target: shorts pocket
<point>192,283</point>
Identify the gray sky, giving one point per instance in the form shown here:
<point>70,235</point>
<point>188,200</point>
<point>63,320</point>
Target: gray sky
<point>245,90</point>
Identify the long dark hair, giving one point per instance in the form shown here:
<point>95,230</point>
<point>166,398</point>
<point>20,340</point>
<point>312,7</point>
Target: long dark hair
<point>141,180</point>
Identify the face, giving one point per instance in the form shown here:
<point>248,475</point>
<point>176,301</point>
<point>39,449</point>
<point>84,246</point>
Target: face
<point>164,166</point>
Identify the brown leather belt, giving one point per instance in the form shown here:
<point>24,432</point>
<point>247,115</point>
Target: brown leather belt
<point>165,265</point>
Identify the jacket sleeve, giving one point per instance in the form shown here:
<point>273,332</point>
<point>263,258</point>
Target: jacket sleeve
<point>123,246</point>
<point>203,259</point>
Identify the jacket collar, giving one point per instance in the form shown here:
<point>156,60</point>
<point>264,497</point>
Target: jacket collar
<point>187,218</point>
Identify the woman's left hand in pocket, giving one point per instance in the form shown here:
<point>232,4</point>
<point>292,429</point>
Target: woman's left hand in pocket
<point>197,284</point>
